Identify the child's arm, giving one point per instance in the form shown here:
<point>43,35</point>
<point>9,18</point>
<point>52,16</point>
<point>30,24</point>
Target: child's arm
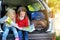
<point>2,20</point>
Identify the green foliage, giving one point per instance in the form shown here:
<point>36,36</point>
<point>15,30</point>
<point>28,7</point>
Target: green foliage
<point>58,38</point>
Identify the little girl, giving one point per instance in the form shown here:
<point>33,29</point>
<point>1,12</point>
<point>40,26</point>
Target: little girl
<point>22,21</point>
<point>11,14</point>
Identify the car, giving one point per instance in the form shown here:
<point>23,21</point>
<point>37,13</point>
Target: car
<point>35,6</point>
<point>35,9</point>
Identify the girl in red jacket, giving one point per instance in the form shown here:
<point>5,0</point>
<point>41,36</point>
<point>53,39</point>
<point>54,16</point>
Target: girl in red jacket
<point>22,21</point>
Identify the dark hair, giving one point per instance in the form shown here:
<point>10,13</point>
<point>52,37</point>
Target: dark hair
<point>22,9</point>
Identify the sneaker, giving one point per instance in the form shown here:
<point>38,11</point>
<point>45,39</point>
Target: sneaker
<point>17,38</point>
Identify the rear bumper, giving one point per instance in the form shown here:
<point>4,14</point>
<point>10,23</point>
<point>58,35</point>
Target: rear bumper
<point>34,36</point>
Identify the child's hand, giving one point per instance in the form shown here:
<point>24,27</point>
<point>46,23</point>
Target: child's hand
<point>16,24</point>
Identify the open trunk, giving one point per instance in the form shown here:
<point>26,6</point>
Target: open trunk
<point>16,3</point>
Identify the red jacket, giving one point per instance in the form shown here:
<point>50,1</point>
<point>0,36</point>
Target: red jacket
<point>22,23</point>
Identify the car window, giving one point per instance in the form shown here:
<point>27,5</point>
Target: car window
<point>35,7</point>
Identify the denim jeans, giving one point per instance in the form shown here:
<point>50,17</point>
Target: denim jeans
<point>6,31</point>
<point>23,34</point>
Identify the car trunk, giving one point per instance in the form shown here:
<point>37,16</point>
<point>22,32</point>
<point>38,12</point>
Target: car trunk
<point>15,3</point>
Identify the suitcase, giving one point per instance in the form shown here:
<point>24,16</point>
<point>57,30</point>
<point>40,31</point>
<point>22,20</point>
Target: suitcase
<point>38,18</point>
<point>40,23</point>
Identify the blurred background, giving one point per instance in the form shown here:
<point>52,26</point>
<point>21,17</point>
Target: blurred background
<point>55,7</point>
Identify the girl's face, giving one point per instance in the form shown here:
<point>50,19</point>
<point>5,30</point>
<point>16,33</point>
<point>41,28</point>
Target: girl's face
<point>22,14</point>
<point>12,15</point>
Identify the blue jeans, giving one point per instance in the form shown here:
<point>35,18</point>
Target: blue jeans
<point>23,34</point>
<point>6,31</point>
